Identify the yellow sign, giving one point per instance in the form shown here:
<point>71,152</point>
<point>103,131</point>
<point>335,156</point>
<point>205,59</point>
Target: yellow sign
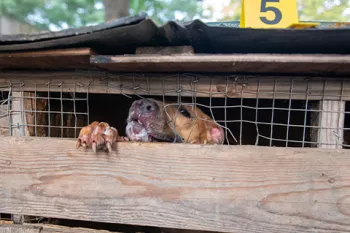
<point>268,13</point>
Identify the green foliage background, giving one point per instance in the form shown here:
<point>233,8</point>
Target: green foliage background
<point>76,13</point>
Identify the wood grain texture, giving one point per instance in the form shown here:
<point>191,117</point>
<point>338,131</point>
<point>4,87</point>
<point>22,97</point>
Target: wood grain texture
<point>78,58</point>
<point>222,63</point>
<point>4,120</point>
<point>214,188</point>
<point>48,228</point>
<point>331,123</point>
<point>18,120</point>
<point>236,86</point>
<point>14,228</point>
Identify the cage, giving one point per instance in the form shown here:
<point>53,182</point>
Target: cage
<point>261,111</point>
<point>252,110</point>
<point>284,116</point>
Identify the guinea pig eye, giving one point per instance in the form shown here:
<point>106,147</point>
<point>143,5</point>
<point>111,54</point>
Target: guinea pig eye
<point>184,112</point>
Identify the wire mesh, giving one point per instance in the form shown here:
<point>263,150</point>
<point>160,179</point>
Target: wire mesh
<point>261,111</point>
<point>40,113</point>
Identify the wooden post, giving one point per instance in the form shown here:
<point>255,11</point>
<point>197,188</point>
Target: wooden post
<point>19,119</point>
<point>17,129</point>
<point>4,120</point>
<point>17,115</point>
<point>330,122</point>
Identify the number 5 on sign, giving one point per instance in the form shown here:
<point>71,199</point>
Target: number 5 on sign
<point>269,13</point>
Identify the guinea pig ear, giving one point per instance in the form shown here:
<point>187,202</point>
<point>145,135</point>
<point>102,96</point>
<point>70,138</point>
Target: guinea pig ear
<point>217,135</point>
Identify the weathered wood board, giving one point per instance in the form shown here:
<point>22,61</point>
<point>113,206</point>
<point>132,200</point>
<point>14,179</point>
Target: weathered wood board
<point>18,122</point>
<point>76,58</point>
<point>222,63</point>
<point>331,123</point>
<point>59,229</point>
<point>4,120</point>
<point>221,188</point>
<point>45,228</point>
<point>14,228</point>
<point>215,86</point>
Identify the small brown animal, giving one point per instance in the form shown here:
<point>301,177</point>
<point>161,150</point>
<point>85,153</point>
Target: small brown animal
<point>151,120</point>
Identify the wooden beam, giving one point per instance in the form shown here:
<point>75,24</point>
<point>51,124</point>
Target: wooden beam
<point>199,187</point>
<point>330,122</point>
<point>78,58</point>
<point>18,127</point>
<point>236,86</point>
<point>4,120</point>
<point>49,228</point>
<point>7,226</point>
<point>11,228</point>
<point>222,63</point>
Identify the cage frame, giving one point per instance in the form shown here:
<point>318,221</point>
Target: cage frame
<point>318,176</point>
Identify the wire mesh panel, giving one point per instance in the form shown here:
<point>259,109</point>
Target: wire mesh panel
<point>262,111</point>
<point>39,113</point>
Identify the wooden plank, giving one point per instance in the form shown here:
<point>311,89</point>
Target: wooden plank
<point>237,86</point>
<point>11,228</point>
<point>200,187</point>
<point>4,120</point>
<point>66,226</point>
<point>78,58</point>
<point>239,63</point>
<point>18,128</point>
<point>17,115</point>
<point>48,228</point>
<point>330,133</point>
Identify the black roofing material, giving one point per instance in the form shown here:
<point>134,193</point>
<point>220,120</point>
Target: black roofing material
<point>24,38</point>
<point>126,34</point>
